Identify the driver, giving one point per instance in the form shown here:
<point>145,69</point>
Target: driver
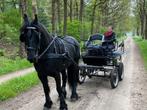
<point>110,34</point>
<point>109,38</point>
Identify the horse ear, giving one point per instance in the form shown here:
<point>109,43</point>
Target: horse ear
<point>36,19</point>
<point>26,19</point>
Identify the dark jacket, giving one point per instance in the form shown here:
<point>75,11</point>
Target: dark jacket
<point>109,35</point>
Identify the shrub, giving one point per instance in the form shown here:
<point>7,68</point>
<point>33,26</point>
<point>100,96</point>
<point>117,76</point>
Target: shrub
<point>9,25</point>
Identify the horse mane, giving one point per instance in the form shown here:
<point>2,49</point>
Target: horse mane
<point>44,31</point>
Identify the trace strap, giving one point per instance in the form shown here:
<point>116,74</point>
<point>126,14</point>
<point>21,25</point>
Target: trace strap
<point>46,48</point>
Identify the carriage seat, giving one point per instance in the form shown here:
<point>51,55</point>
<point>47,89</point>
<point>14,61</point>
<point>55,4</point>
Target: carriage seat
<point>106,47</point>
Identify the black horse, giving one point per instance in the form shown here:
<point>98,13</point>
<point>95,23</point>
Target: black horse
<point>52,56</point>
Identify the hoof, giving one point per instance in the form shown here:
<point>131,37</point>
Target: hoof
<point>48,105</point>
<point>74,97</point>
<point>63,107</point>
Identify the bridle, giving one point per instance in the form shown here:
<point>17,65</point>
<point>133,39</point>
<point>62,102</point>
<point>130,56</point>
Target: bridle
<point>38,47</point>
<point>39,37</point>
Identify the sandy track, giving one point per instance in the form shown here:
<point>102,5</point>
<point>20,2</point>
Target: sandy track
<point>9,76</point>
<point>96,93</point>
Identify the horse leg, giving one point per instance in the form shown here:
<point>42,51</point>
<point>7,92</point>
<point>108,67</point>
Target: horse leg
<point>44,80</point>
<point>73,80</point>
<point>63,105</point>
<point>64,80</point>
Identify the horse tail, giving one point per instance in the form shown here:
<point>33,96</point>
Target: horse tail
<point>73,69</point>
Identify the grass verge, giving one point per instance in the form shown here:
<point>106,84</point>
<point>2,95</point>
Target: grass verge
<point>143,48</point>
<point>8,65</point>
<point>18,85</point>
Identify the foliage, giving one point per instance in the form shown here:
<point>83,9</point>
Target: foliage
<point>12,17</point>
<point>74,28</point>
<point>43,17</point>
<point>8,65</point>
<point>102,30</point>
<point>86,30</point>
<point>9,25</point>
<point>18,85</point>
<point>143,47</point>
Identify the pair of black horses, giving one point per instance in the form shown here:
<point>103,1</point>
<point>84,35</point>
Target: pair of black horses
<point>52,56</point>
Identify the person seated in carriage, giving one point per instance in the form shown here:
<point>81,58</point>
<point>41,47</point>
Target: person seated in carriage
<point>109,38</point>
<point>110,34</point>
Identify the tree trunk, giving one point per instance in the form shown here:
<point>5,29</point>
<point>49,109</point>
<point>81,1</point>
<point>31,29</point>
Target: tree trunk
<point>145,33</point>
<point>34,8</point>
<point>23,10</point>
<point>93,17</point>
<point>59,16</point>
<point>65,17</point>
<point>81,18</point>
<point>142,21</point>
<point>81,10</point>
<point>23,6</point>
<point>53,16</point>
<point>137,31</point>
<point>71,11</point>
<point>76,9</point>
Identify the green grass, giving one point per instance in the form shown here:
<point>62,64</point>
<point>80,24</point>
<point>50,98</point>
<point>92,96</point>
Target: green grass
<point>143,48</point>
<point>8,65</point>
<point>15,86</point>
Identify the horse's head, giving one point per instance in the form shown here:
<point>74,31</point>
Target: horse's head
<point>30,35</point>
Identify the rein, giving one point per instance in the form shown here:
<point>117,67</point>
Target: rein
<point>38,57</point>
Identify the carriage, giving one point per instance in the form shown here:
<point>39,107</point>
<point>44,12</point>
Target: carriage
<point>102,58</point>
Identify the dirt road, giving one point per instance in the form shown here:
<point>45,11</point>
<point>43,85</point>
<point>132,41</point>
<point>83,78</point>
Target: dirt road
<point>96,93</point>
<point>12,75</point>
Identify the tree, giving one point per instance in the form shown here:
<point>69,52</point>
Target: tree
<point>141,16</point>
<point>34,7</point>
<point>76,9</point>
<point>53,15</point>
<point>81,17</point>
<point>81,10</point>
<point>59,15</point>
<point>65,18</point>
<point>23,10</point>
<point>71,10</point>
<point>93,15</point>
